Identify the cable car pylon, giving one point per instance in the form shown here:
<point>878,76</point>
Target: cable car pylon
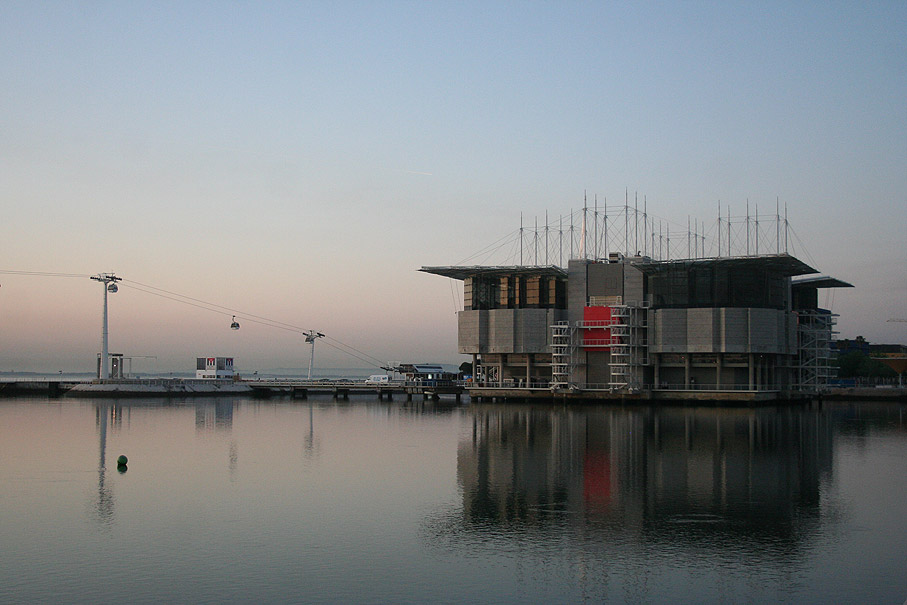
<point>311,336</point>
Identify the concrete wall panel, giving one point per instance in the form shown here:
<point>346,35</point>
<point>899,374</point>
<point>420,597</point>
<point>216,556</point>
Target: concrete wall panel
<point>472,330</point>
<point>634,285</point>
<point>670,331</point>
<point>724,330</point>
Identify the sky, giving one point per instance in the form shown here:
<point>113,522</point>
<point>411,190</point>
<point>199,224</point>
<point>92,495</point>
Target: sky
<point>299,161</point>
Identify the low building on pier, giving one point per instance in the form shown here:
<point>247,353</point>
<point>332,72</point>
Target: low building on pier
<point>634,324</point>
<point>214,367</point>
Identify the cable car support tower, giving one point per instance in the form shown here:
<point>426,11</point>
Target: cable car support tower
<point>311,336</point>
<point>110,285</point>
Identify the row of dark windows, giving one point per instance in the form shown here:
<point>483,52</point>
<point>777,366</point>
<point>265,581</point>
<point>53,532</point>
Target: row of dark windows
<point>718,287</point>
<point>515,293</point>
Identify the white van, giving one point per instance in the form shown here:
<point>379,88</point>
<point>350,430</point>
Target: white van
<point>377,379</point>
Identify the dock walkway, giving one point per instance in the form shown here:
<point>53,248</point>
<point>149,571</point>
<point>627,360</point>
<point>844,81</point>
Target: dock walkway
<point>300,389</point>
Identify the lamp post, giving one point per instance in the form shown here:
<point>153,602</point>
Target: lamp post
<point>109,280</point>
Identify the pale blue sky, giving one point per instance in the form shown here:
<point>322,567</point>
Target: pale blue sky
<point>300,160</point>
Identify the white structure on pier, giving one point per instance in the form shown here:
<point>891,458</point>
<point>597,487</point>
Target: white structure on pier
<point>214,367</point>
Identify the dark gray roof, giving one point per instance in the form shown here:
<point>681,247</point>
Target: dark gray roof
<point>462,272</point>
<point>819,281</point>
<point>782,263</point>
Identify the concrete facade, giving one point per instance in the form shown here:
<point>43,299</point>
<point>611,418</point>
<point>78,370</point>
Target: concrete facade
<point>506,330</point>
<point>723,330</point>
<point>722,324</point>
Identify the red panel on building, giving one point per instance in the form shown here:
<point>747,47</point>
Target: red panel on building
<point>593,336</point>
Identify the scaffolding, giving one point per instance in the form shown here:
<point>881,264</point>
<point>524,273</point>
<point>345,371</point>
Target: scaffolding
<point>563,349</point>
<point>629,345</point>
<point>814,337</point>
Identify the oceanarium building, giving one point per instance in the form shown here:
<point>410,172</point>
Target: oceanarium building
<point>726,327</point>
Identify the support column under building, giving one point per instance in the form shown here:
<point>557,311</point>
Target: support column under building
<point>657,369</point>
<point>750,364</point>
<point>718,371</point>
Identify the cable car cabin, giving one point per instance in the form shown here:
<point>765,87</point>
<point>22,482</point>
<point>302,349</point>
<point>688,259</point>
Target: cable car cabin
<point>214,367</point>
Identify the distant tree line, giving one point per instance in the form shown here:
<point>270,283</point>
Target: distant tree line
<point>858,364</point>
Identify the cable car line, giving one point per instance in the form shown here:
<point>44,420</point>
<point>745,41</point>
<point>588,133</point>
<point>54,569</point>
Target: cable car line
<point>214,308</point>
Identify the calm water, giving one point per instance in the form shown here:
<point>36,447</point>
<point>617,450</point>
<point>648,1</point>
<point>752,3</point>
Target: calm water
<point>395,502</point>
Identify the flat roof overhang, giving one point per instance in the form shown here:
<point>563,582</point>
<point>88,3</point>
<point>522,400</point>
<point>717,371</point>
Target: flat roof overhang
<point>821,281</point>
<point>784,264</point>
<point>462,272</point>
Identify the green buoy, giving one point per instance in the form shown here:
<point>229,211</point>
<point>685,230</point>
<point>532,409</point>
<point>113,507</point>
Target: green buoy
<point>122,460</point>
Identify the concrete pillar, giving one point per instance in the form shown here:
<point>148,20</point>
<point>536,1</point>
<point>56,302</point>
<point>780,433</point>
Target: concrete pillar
<point>528,368</point>
<point>686,371</point>
<point>718,371</point>
<point>750,364</point>
<point>657,378</point>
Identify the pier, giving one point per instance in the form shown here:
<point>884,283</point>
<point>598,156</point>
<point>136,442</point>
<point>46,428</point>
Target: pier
<point>167,387</point>
<point>341,389</point>
<point>427,390</point>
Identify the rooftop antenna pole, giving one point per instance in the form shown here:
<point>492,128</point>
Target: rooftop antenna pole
<point>582,241</point>
<point>729,253</point>
<point>310,337</point>
<point>521,239</point>
<point>607,246</point>
<point>571,233</point>
<point>668,243</point>
<point>757,228</point>
<point>777,228</point>
<point>626,220</point>
<point>560,241</point>
<point>595,254</point>
<point>636,221</point>
<point>661,241</point>
<point>645,225</point>
<point>109,280</point>
<point>546,237</point>
<point>747,226</point>
<point>719,228</point>
<point>536,240</point>
<point>786,226</point>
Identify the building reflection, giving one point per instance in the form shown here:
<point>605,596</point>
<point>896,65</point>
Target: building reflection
<point>674,475</point>
<point>214,415</point>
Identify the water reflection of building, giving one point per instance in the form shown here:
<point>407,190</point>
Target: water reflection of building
<point>672,474</point>
<point>216,415</point>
